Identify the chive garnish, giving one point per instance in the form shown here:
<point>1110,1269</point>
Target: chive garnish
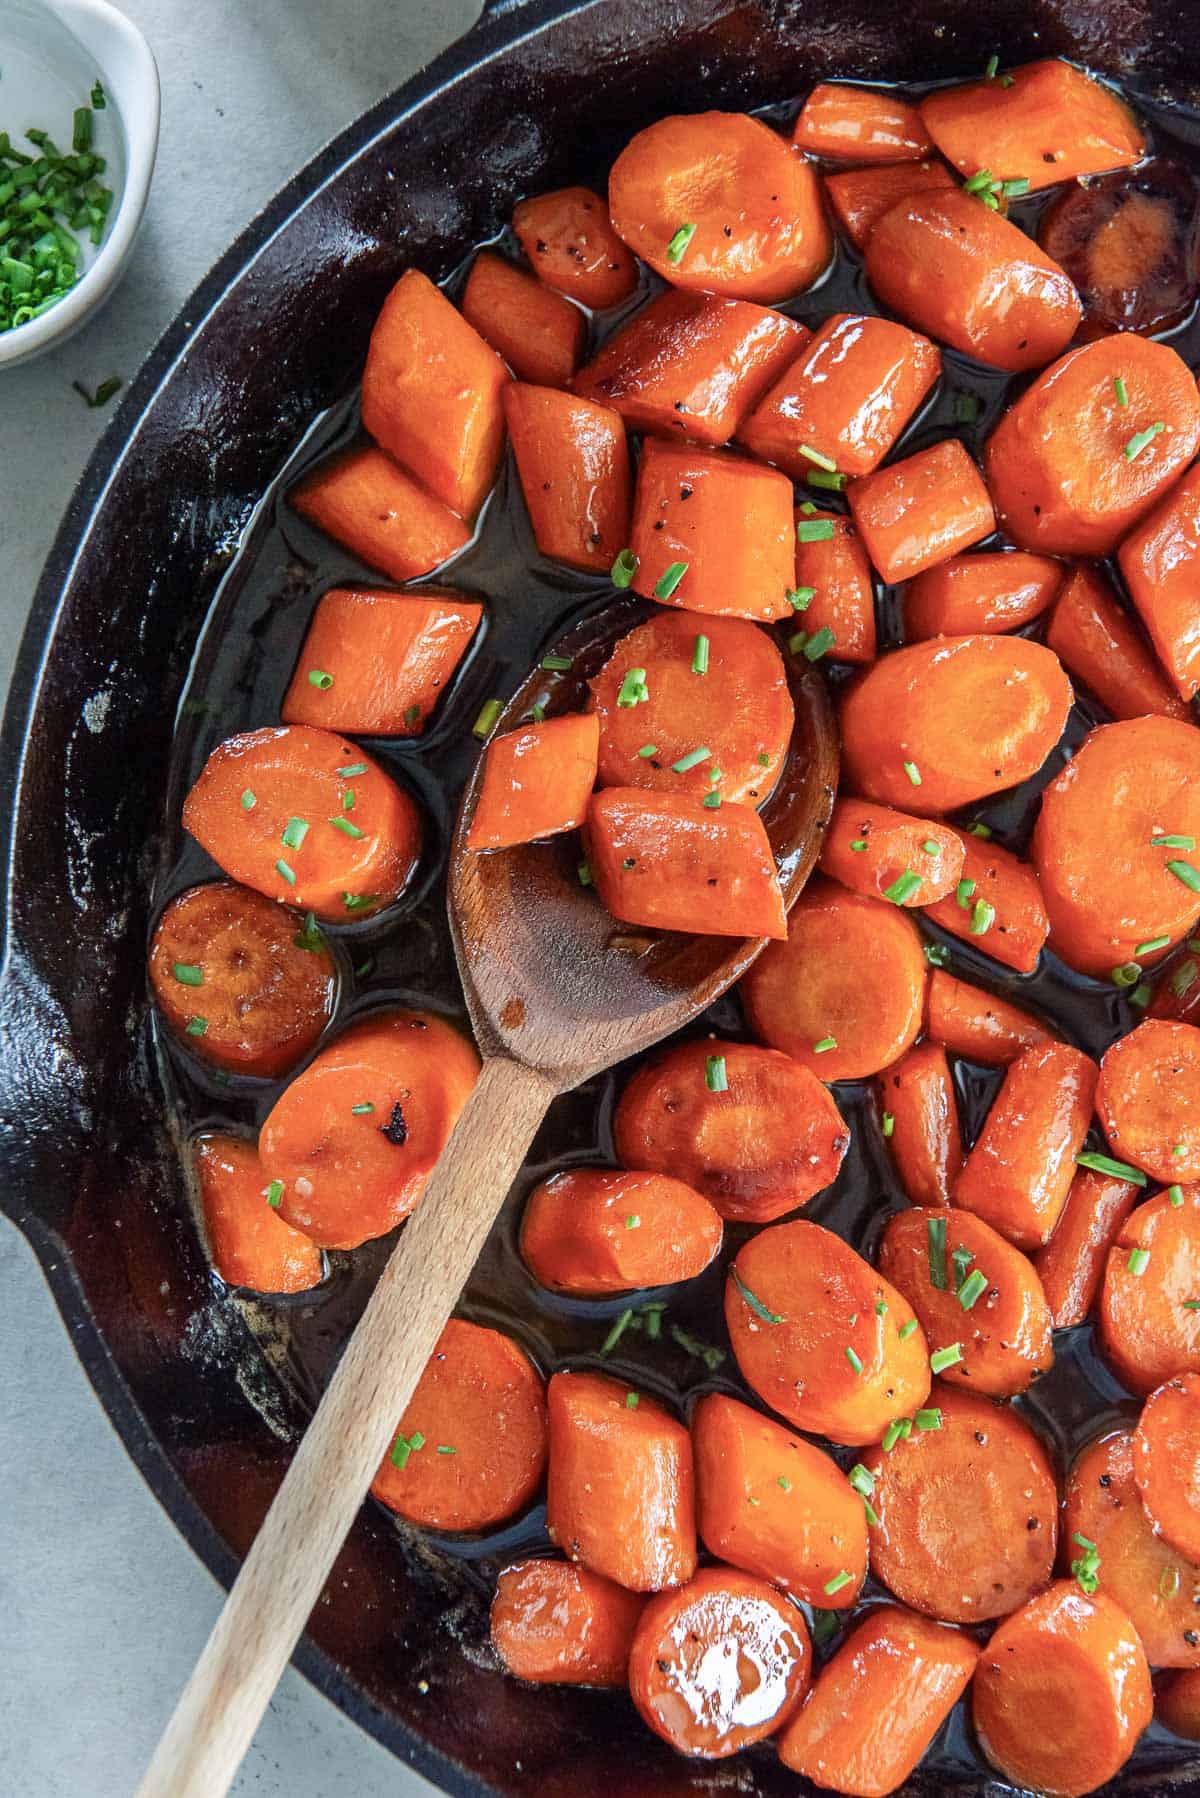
<point>319,678</point>
<point>814,530</point>
<point>1105,1164</point>
<point>929,1419</point>
<point>972,1289</point>
<point>1086,1567</point>
<point>1151,944</point>
<point>1128,974</point>
<point>623,569</point>
<point>862,1480</point>
<point>666,583</point>
<point>1184,977</point>
<point>903,887</point>
<point>412,716</point>
<point>248,801</point>
<point>287,873</point>
<point>309,937</point>
<point>992,69</point>
<point>913,772</point>
<point>962,893</point>
<point>294,833</point>
<point>763,759</point>
<point>357,901</point>
<point>894,1432</point>
<point>445,1448</point>
<point>930,847</point>
<point>716,1074</point>
<point>1121,391</point>
<point>679,243</point>
<point>983,916</point>
<point>881,1307</point>
<point>631,1401</point>
<point>361,1111</point>
<point>557,664</point>
<point>1179,1151</point>
<point>982,831</point>
<point>1185,872</point>
<point>943,1358</point>
<point>632,1221</point>
<point>351,769</point>
<point>197,1026</point>
<point>700,655</point>
<point>756,1305</point>
<point>935,1230</point>
<point>838,1583</point>
<point>815,456</point>
<point>488,714</point>
<point>1137,443</point>
<point>1141,994</point>
<point>1191,1304</point>
<point>617,1331</point>
<point>858,845</point>
<point>344,825</point>
<point>1173,842</point>
<point>1015,186</point>
<point>889,1123</point>
<point>691,760</point>
<point>800,598</point>
<point>349,799</point>
<point>962,1259</point>
<point>1175,1194</point>
<point>583,874</point>
<point>980,182</point>
<point>819,644</point>
<point>826,1043</point>
<point>404,1446</point>
<point>937,955</point>
<point>274,1194</point>
<point>830,483</point>
<point>906,1330</point>
<point>784,1484</point>
<point>187,974</point>
<point>647,750</point>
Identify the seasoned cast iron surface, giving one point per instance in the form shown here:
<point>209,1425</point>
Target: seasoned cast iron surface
<point>185,589</point>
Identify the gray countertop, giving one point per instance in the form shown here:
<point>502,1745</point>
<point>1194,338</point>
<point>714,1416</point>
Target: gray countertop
<point>105,1607</point>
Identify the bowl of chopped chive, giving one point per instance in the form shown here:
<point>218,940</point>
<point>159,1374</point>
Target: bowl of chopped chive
<point>79,105</point>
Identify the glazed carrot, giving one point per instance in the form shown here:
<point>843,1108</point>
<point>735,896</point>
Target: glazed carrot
<point>1051,122</point>
<point>1097,643</point>
<point>714,682</point>
<point>390,657</point>
<point>1157,1588</point>
<point>362,500</point>
<point>620,1492</point>
<point>921,1120</point>
<point>1062,1692</point>
<point>997,906</point>
<point>860,124</point>
<point>556,1624</point>
<point>249,1242</point>
<point>1070,466</point>
<point>1166,1460</point>
<point>718,201</point>
<point>691,365</point>
<point>1128,243</point>
<point>594,1230</point>
<point>574,467</point>
<point>270,807</point>
<point>718,1664</point>
<point>943,723</point>
<point>915,513</point>
<point>963,274</point>
<point>1148,1329</point>
<point>860,197</point>
<point>470,1449</point>
<point>353,1139</point>
<point>979,1025</point>
<point>1177,1704</point>
<point>749,1128</point>
<point>990,592</point>
<point>821,1337</point>
<point>713,533</point>
<point>776,1505</point>
<point>833,575</point>
<point>537,782</point>
<point>870,848</point>
<point>240,981</point>
<point>1109,886</point>
<point>963,1563</point>
<point>1019,1173</point>
<point>1148,1099</point>
<point>540,335</point>
<point>571,245</point>
<point>845,994</point>
<point>877,1705</point>
<point>846,397</point>
<point>431,394</point>
<point>969,1286</point>
<point>1177,996</point>
<point>671,864</point>
<point>1160,560</point>
<point>1071,1264</point>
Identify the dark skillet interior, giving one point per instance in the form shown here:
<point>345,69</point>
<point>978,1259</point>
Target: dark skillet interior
<point>535,96</point>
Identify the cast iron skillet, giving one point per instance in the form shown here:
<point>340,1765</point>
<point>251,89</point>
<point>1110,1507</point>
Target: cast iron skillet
<point>538,93</point>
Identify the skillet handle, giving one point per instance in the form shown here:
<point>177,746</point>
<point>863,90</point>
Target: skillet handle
<point>287,1567</point>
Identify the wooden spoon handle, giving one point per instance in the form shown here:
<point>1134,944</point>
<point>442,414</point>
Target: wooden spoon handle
<point>283,1575</point>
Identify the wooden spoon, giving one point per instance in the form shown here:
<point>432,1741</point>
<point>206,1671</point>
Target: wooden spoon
<point>556,992</point>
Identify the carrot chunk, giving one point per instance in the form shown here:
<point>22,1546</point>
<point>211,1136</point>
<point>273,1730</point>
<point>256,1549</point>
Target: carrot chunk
<point>390,657</point>
<point>676,682</point>
<point>718,1664</point>
<point>270,808</point>
<point>250,1243</point>
<point>572,247</point>
<point>915,513</point>
<point>1148,1330</point>
<point>860,124</point>
<point>362,500</point>
<point>574,467</point>
<point>239,980</point>
<point>1177,997</point>
<point>537,782</point>
<point>593,1230</point>
<point>354,1138</point>
<point>671,864</point>
<point>845,994</point>
<point>970,594</point>
<point>969,1021</point>
<point>718,201</point>
<point>1160,560</point>
<point>821,1337</point>
<point>691,365</point>
<point>620,1492</point>
<point>556,1624</point>
<point>1148,1099</point>
<point>870,848</point>
<point>470,1449</point>
<point>1071,1264</point>
<point>846,397</point>
<point>953,720</point>
<point>997,906</point>
<point>539,334</point>
<point>431,394</point>
<point>776,1505</point>
<point>1019,1173</point>
<point>917,1095</point>
<point>1166,1462</point>
<point>712,533</point>
<point>833,575</point>
<point>1177,1705</point>
<point>859,198</point>
<point>1098,643</point>
<point>751,1129</point>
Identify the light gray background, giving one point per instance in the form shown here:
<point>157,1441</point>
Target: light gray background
<point>104,1608</point>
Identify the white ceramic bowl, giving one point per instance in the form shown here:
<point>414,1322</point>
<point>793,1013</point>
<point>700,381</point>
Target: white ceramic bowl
<point>51,53</point>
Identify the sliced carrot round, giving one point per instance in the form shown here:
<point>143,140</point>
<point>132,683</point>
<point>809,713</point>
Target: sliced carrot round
<point>711,683</point>
<point>821,1337</point>
<point>871,848</point>
<point>845,994</point>
<point>968,1286</point>
<point>988,592</point>
<point>353,1139</point>
<point>1148,1099</point>
<point>718,201</point>
<point>920,1123</point>
<point>1166,1462</point>
<point>720,1663</point>
<point>593,1230</point>
<point>558,1624</point>
<point>751,1129</point>
<point>251,1245</point>
<point>1150,1299</point>
<point>470,1449</point>
<point>977,1024</point>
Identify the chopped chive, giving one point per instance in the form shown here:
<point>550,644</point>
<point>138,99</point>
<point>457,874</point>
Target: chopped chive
<point>1191,1304</point>
<point>889,1123</point>
<point>854,1360</point>
<point>700,655</point>
<point>617,1331</point>
<point>583,874</point>
<point>943,1358</point>
<point>351,769</point>
<point>712,801</point>
<point>972,1289</point>
<point>349,799</point>
<point>858,845</point>
<point>830,483</point>
<point>488,714</point>
<point>929,1419</point>
<point>653,1321</point>
<point>1127,975</point>
<point>716,1074</point>
<point>197,1026</point>
<point>361,1111</point>
<point>249,801</point>
<point>623,569</point>
<point>862,1480</point>
<point>347,829</point>
<point>756,1305</point>
<point>310,937</point>
<point>1086,1567</point>
<point>784,1484</point>
<point>317,677</point>
<point>906,1330</point>
<point>980,182</point>
<point>357,901</point>
<point>903,887</point>
<point>814,530</point>
<point>412,716</point>
<point>1138,442</point>
<point>631,1401</point>
<point>666,583</point>
<point>1173,842</point>
<point>445,1448</point>
<point>800,598</point>
<point>679,243</point>
<point>187,974</point>
<point>983,916</point>
<point>1179,1151</point>
<point>294,833</point>
<point>962,1259</point>
<point>1184,977</point>
<point>935,1230</point>
<point>1141,994</point>
<point>893,1433</point>
<point>1015,186</point>
<point>632,1221</point>
<point>838,1583</point>
<point>937,955</point>
<point>796,642</point>
<point>930,847</point>
<point>274,1194</point>
<point>287,873</point>
<point>763,759</point>
<point>1105,1164</point>
<point>881,1307</point>
<point>1122,392</point>
<point>806,506</point>
<point>819,644</point>
<point>1151,944</point>
<point>913,772</point>
<point>982,831</point>
<point>826,1043</point>
<point>815,456</point>
<point>1185,872</point>
<point>557,664</point>
<point>992,69</point>
<point>403,1447</point>
<point>962,893</point>
<point>1175,1194</point>
<point>691,760</point>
